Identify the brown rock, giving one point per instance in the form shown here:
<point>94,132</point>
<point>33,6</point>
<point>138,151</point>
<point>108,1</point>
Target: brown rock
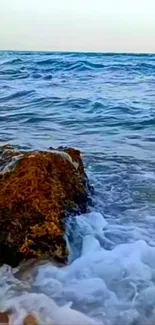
<point>35,197</point>
<point>30,320</point>
<point>4,319</point>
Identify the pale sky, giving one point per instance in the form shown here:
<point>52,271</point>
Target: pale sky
<point>78,25</point>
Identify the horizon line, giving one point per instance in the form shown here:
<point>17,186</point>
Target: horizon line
<point>78,51</point>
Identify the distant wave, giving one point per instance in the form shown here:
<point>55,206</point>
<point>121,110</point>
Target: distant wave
<point>78,93</point>
<point>11,61</point>
<point>81,65</point>
<point>28,65</point>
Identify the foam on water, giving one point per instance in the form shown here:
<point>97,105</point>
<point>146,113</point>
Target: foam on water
<point>100,285</point>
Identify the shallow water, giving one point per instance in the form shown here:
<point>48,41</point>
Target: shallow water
<point>103,105</point>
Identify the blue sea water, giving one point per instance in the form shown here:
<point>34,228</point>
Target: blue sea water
<point>104,105</point>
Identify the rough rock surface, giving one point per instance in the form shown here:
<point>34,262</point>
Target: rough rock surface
<point>37,191</point>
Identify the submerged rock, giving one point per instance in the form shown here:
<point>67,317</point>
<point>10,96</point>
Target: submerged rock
<point>37,191</point>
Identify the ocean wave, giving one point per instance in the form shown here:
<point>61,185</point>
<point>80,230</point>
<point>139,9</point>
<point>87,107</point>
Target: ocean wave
<point>18,94</point>
<point>79,65</point>
<point>12,61</point>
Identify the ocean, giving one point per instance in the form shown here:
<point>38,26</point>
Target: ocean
<point>104,105</point>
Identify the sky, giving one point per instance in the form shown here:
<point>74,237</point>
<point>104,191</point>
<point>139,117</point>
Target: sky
<point>78,25</point>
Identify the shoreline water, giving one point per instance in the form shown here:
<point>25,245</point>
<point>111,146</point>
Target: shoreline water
<point>104,106</point>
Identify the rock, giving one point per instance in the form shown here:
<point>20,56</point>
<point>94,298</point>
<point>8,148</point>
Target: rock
<point>30,320</point>
<point>4,319</point>
<point>37,192</point>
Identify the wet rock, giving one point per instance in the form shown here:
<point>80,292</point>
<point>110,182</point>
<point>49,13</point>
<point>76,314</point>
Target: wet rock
<point>4,319</point>
<point>37,192</point>
<point>30,320</point>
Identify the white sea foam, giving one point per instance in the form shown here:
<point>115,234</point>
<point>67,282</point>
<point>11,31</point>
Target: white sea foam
<point>104,285</point>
